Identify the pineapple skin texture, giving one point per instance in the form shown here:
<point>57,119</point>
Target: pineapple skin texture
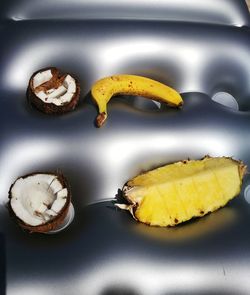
<point>178,192</point>
<point>103,90</point>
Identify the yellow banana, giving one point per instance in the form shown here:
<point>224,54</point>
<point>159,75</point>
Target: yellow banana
<point>103,90</point>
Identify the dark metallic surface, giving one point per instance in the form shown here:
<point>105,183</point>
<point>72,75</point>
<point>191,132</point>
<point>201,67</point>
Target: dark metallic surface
<point>2,264</point>
<point>228,12</point>
<point>104,251</point>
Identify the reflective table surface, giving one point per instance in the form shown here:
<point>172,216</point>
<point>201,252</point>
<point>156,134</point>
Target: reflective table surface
<point>204,54</point>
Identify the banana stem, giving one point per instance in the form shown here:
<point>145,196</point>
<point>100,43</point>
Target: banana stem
<point>100,119</point>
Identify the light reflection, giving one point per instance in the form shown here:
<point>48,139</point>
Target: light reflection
<point>223,12</point>
<point>114,158</point>
<point>67,221</point>
<point>122,50</point>
<point>123,156</point>
<point>17,18</point>
<point>22,65</point>
<point>31,288</point>
<point>156,54</point>
<point>121,149</point>
<point>43,51</point>
<point>156,277</point>
<point>115,53</point>
<point>125,52</point>
<point>226,99</point>
<point>247,194</point>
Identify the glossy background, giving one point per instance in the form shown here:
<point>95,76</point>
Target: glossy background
<point>199,47</point>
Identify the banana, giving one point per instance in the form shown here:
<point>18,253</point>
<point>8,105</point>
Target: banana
<point>103,90</point>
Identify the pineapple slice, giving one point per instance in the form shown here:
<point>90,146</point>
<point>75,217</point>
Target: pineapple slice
<point>178,192</point>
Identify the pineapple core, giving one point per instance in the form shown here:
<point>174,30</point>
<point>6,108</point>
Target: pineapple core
<point>178,192</point>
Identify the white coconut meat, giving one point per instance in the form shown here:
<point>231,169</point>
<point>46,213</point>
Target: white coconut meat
<point>41,78</point>
<point>58,96</point>
<point>38,198</point>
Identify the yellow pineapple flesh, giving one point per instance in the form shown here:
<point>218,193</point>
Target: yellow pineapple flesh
<point>177,192</point>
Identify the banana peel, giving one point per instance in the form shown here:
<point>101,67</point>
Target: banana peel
<point>103,90</point>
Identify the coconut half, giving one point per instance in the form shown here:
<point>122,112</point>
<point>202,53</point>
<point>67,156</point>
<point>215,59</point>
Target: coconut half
<point>53,92</point>
<point>40,201</point>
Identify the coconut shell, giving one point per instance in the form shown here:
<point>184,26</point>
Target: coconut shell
<point>50,108</point>
<point>54,222</point>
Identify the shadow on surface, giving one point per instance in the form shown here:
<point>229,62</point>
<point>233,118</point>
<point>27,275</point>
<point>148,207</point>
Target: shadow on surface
<point>112,290</point>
